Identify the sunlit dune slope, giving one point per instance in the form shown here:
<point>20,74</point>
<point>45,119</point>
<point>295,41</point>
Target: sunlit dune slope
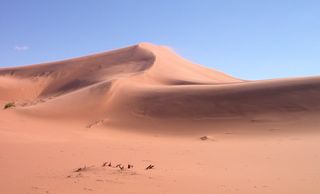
<point>147,81</point>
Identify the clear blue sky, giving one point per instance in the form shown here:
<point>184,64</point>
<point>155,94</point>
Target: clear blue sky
<point>257,39</point>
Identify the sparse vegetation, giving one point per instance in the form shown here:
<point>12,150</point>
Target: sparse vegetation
<point>9,105</point>
<point>107,164</point>
<point>203,138</point>
<point>120,166</point>
<point>150,167</point>
<point>81,169</point>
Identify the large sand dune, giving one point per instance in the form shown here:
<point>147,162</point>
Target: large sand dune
<point>144,104</point>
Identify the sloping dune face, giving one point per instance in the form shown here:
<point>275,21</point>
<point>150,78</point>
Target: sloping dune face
<point>147,82</point>
<point>71,75</point>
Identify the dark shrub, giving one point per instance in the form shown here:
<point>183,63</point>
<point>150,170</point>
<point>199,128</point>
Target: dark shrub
<point>9,105</point>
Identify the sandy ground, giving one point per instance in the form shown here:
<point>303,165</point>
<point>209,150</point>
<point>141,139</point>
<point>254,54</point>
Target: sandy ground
<point>274,158</point>
<point>204,131</point>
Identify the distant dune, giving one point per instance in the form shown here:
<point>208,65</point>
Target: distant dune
<point>205,131</point>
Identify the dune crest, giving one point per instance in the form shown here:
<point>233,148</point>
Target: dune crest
<point>147,81</point>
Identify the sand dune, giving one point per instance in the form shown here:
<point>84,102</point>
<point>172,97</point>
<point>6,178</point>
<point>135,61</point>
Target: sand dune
<point>145,101</point>
<point>148,81</point>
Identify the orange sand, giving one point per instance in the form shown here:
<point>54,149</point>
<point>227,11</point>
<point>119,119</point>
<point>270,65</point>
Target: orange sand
<point>145,105</point>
